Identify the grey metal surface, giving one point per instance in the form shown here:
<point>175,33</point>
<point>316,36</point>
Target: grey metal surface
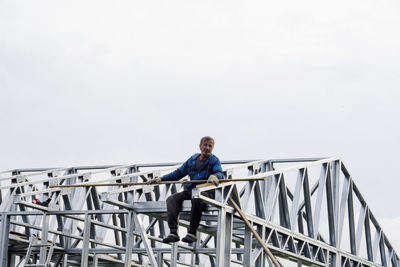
<point>308,211</point>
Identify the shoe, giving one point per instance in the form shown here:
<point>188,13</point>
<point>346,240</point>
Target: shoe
<point>171,238</point>
<point>189,238</point>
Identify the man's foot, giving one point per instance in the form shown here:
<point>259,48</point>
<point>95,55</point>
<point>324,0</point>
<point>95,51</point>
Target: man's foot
<point>171,238</point>
<point>189,238</point>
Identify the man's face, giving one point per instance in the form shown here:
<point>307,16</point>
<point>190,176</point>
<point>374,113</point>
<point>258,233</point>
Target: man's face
<point>206,148</point>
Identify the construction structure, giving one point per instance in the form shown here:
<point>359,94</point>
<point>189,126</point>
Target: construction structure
<point>305,211</point>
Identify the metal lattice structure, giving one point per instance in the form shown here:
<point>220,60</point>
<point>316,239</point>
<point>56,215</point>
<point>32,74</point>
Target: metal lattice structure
<point>307,211</point>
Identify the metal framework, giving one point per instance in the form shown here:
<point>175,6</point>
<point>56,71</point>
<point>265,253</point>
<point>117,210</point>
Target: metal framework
<point>307,211</point>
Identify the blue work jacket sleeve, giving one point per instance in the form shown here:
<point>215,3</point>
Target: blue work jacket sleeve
<point>217,169</point>
<point>179,173</point>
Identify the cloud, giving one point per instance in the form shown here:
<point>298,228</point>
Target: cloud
<point>85,82</point>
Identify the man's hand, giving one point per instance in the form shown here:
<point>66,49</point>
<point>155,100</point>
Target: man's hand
<point>156,180</point>
<point>213,179</point>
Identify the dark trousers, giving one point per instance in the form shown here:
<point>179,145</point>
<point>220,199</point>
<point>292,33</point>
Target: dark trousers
<point>174,206</point>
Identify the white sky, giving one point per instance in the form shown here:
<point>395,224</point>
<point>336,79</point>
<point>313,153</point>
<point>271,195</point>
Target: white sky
<point>115,82</point>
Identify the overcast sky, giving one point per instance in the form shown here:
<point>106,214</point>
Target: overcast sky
<point>119,82</point>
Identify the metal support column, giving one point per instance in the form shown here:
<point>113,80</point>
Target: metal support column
<point>4,230</point>
<point>174,254</point>
<point>129,238</point>
<point>145,239</point>
<point>224,237</point>
<point>248,237</point>
<point>44,237</point>
<point>85,241</point>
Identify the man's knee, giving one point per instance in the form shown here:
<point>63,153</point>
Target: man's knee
<point>198,203</point>
<point>170,200</point>
<point>175,199</point>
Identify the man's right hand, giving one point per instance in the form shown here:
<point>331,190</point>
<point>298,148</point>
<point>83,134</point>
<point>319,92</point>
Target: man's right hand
<point>156,180</point>
<point>213,179</point>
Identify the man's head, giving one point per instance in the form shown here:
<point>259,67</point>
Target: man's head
<point>206,146</point>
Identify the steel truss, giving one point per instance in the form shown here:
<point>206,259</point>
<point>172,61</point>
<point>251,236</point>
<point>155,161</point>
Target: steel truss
<point>308,211</point>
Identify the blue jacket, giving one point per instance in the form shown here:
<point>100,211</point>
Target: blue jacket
<point>211,166</point>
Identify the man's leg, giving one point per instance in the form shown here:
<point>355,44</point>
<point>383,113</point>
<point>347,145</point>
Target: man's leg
<point>198,206</point>
<point>174,206</point>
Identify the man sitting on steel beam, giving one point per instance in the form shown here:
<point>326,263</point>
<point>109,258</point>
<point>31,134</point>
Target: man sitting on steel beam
<point>200,166</point>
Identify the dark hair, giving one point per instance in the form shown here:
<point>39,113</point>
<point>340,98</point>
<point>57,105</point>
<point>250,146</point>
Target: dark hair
<point>206,138</point>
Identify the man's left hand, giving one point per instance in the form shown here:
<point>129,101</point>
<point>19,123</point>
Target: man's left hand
<point>156,180</point>
<point>213,179</point>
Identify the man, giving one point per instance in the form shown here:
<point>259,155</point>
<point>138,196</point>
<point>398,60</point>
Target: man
<point>201,166</point>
